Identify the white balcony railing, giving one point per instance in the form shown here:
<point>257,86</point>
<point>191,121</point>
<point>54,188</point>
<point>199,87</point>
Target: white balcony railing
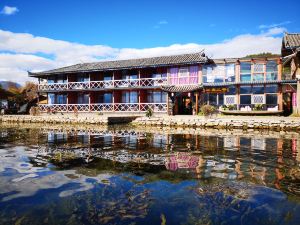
<point>144,82</point>
<point>104,107</point>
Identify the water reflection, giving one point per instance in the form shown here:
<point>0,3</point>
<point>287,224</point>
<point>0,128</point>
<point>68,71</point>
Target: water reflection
<point>124,175</point>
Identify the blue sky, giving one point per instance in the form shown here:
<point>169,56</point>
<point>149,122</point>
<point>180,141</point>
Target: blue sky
<point>95,30</point>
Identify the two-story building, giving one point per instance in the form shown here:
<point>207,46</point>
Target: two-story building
<point>177,84</point>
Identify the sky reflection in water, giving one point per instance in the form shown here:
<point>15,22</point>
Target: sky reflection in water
<point>121,175</point>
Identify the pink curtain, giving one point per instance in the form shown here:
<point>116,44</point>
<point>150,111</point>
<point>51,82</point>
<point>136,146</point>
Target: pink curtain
<point>193,75</point>
<point>173,76</point>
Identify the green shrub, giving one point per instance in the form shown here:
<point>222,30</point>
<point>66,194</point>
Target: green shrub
<point>149,112</point>
<point>258,107</point>
<point>208,110</point>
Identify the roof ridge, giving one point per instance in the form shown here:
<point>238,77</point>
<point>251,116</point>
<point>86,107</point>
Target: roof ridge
<point>153,57</point>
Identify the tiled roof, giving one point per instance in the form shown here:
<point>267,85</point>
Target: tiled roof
<point>250,82</point>
<point>181,88</point>
<point>128,64</point>
<point>291,40</point>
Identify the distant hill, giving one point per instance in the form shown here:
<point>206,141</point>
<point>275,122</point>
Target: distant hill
<point>6,84</point>
<point>262,55</point>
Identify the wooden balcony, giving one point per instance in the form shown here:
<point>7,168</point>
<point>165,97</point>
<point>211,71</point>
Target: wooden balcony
<point>104,107</point>
<point>109,84</point>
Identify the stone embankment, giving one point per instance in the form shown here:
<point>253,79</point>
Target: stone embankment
<point>239,122</point>
<point>55,119</point>
<point>222,122</point>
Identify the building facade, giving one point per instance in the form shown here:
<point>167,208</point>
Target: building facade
<point>171,85</point>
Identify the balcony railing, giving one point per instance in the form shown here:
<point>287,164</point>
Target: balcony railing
<point>104,107</point>
<point>132,83</point>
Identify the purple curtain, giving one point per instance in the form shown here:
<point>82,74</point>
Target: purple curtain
<point>173,76</point>
<point>193,75</point>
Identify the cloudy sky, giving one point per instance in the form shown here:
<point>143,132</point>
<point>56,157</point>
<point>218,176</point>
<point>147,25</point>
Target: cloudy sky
<point>40,35</point>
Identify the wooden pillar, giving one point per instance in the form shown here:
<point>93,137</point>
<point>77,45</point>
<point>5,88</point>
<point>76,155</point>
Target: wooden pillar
<point>197,104</point>
<point>280,99</point>
<point>237,71</point>
<point>279,68</point>
<point>139,97</point>
<point>168,104</point>
<point>200,80</point>
<point>298,97</point>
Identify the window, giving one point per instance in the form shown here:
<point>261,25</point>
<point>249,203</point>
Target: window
<point>245,71</point>
<point>61,99</point>
<point>258,68</point>
<point>245,99</point>
<point>214,99</point>
<point>129,97</point>
<point>231,90</point>
<point>51,99</point>
<point>271,76</point>
<point>245,89</point>
<point>83,78</point>
<point>183,72</point>
<point>258,77</point>
<point>272,70</point>
<point>271,88</point>
<point>51,80</point>
<point>245,67</point>
<point>129,75</point>
<point>271,99</point>
<point>230,73</point>
<point>271,66</point>
<point>107,76</point>
<point>83,98</point>
<point>157,97</point>
<point>104,98</point>
<point>258,90</point>
<point>61,79</point>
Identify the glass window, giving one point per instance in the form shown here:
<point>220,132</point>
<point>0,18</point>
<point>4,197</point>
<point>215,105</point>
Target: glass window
<point>61,99</point>
<point>183,72</point>
<point>231,90</point>
<point>245,99</point>
<point>83,78</point>
<point>221,99</point>
<point>230,73</point>
<point>61,79</point>
<point>51,99</point>
<point>245,89</point>
<point>258,90</point>
<point>271,76</point>
<point>107,76</point>
<point>245,67</point>
<point>246,77</point>
<point>129,97</point>
<point>271,66</point>
<point>83,98</point>
<point>258,68</point>
<point>258,77</point>
<point>271,99</point>
<point>51,80</point>
<point>212,99</point>
<point>271,88</point>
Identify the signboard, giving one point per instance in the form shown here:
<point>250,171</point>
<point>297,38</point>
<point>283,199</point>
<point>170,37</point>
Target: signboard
<point>216,90</point>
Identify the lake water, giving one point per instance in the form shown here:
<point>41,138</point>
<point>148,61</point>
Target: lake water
<point>123,175</point>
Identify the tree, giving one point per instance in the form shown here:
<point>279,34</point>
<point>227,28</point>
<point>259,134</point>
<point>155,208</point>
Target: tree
<point>262,55</point>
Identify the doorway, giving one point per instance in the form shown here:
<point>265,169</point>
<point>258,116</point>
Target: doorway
<point>184,105</point>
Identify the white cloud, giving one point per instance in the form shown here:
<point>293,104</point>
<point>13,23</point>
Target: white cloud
<point>161,23</point>
<point>8,10</point>
<point>22,52</point>
<point>264,26</point>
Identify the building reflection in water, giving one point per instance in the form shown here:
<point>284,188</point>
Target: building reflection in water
<point>254,158</point>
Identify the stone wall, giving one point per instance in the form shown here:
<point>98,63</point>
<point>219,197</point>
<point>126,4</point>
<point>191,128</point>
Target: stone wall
<point>245,123</point>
